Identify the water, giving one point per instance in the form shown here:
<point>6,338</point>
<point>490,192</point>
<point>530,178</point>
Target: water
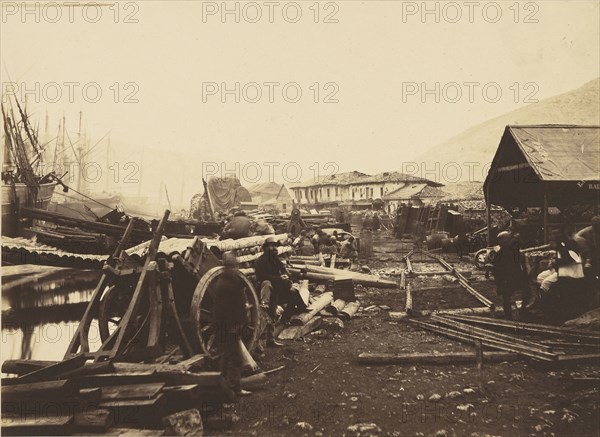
<point>40,318</point>
<point>42,340</point>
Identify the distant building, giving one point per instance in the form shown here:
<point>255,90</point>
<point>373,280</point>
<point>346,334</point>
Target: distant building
<point>353,189</point>
<point>271,195</point>
<point>415,194</point>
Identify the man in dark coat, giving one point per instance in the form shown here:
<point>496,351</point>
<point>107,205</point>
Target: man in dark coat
<point>276,287</point>
<point>509,272</point>
<point>240,226</point>
<point>231,315</point>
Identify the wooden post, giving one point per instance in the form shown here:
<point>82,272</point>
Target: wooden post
<point>545,217</point>
<point>488,215</point>
<point>210,208</point>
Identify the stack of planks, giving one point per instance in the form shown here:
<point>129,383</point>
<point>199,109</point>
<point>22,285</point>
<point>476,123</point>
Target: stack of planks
<point>542,343</point>
<point>76,397</point>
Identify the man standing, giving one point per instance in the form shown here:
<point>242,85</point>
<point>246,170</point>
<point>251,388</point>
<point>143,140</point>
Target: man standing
<point>276,287</point>
<point>509,273</point>
<point>231,317</point>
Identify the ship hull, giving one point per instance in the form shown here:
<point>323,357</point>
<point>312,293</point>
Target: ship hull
<point>9,218</point>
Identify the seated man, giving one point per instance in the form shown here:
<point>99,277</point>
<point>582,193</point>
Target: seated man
<point>588,241</point>
<point>276,287</point>
<point>566,264</point>
<point>327,245</point>
<point>349,250</point>
<point>303,245</point>
<point>240,226</point>
<point>263,228</point>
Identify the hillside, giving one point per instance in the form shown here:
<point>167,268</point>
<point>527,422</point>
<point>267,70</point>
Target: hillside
<point>479,143</point>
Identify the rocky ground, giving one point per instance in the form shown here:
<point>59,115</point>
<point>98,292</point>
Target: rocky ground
<point>323,391</point>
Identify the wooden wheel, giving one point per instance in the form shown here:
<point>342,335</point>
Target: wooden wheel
<point>112,308</point>
<point>202,311</point>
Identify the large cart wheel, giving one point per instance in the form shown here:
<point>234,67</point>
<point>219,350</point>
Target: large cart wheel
<point>112,308</point>
<point>202,311</point>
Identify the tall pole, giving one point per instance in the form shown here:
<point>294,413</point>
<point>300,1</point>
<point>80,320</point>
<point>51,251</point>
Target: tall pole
<point>545,217</point>
<point>141,172</point>
<point>107,182</point>
<point>80,153</point>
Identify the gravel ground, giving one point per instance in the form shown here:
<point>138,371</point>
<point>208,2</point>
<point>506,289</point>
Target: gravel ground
<point>323,391</point>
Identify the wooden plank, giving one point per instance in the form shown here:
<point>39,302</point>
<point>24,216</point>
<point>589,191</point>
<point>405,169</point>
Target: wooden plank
<point>409,300</point>
<point>38,425</point>
<point>169,373</point>
<point>93,420</point>
<point>133,391</point>
<point>37,390</point>
<point>131,403</point>
<point>55,370</point>
<point>492,334</point>
<point>532,327</point>
<point>424,358</point>
<point>472,338</point>
<point>21,367</point>
<point>400,315</point>
<point>116,379</point>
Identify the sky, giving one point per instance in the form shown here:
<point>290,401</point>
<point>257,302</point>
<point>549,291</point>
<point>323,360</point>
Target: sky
<point>363,68</point>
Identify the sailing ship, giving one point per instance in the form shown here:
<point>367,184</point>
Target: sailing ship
<point>22,183</point>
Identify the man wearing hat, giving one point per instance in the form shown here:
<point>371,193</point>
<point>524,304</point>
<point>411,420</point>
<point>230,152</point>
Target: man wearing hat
<point>509,273</point>
<point>276,287</point>
<point>231,317</point>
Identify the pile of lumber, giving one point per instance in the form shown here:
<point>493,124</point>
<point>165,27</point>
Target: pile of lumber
<point>76,397</point>
<point>326,304</point>
<point>323,274</point>
<point>542,343</point>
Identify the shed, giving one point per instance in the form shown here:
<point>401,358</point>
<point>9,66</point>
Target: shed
<point>545,165</point>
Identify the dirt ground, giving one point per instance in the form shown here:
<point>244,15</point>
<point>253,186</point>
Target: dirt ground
<point>323,391</point>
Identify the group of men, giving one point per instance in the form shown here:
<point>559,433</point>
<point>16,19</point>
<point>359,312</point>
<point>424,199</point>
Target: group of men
<point>240,225</point>
<point>576,257</point>
<point>231,310</point>
<point>311,242</point>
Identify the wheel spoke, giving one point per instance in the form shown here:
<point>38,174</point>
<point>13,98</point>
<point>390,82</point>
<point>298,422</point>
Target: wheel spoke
<point>210,342</point>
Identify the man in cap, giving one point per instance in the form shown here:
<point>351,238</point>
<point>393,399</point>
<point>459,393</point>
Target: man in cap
<point>231,315</point>
<point>276,287</point>
<point>509,273</point>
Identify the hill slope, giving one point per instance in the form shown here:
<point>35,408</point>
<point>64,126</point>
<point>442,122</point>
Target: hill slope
<point>479,143</point>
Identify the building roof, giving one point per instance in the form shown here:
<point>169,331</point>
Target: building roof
<point>466,190</point>
<point>558,162</point>
<point>356,178</point>
<point>415,191</point>
<point>270,191</point>
<point>394,176</point>
<point>561,153</point>
<point>334,179</point>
